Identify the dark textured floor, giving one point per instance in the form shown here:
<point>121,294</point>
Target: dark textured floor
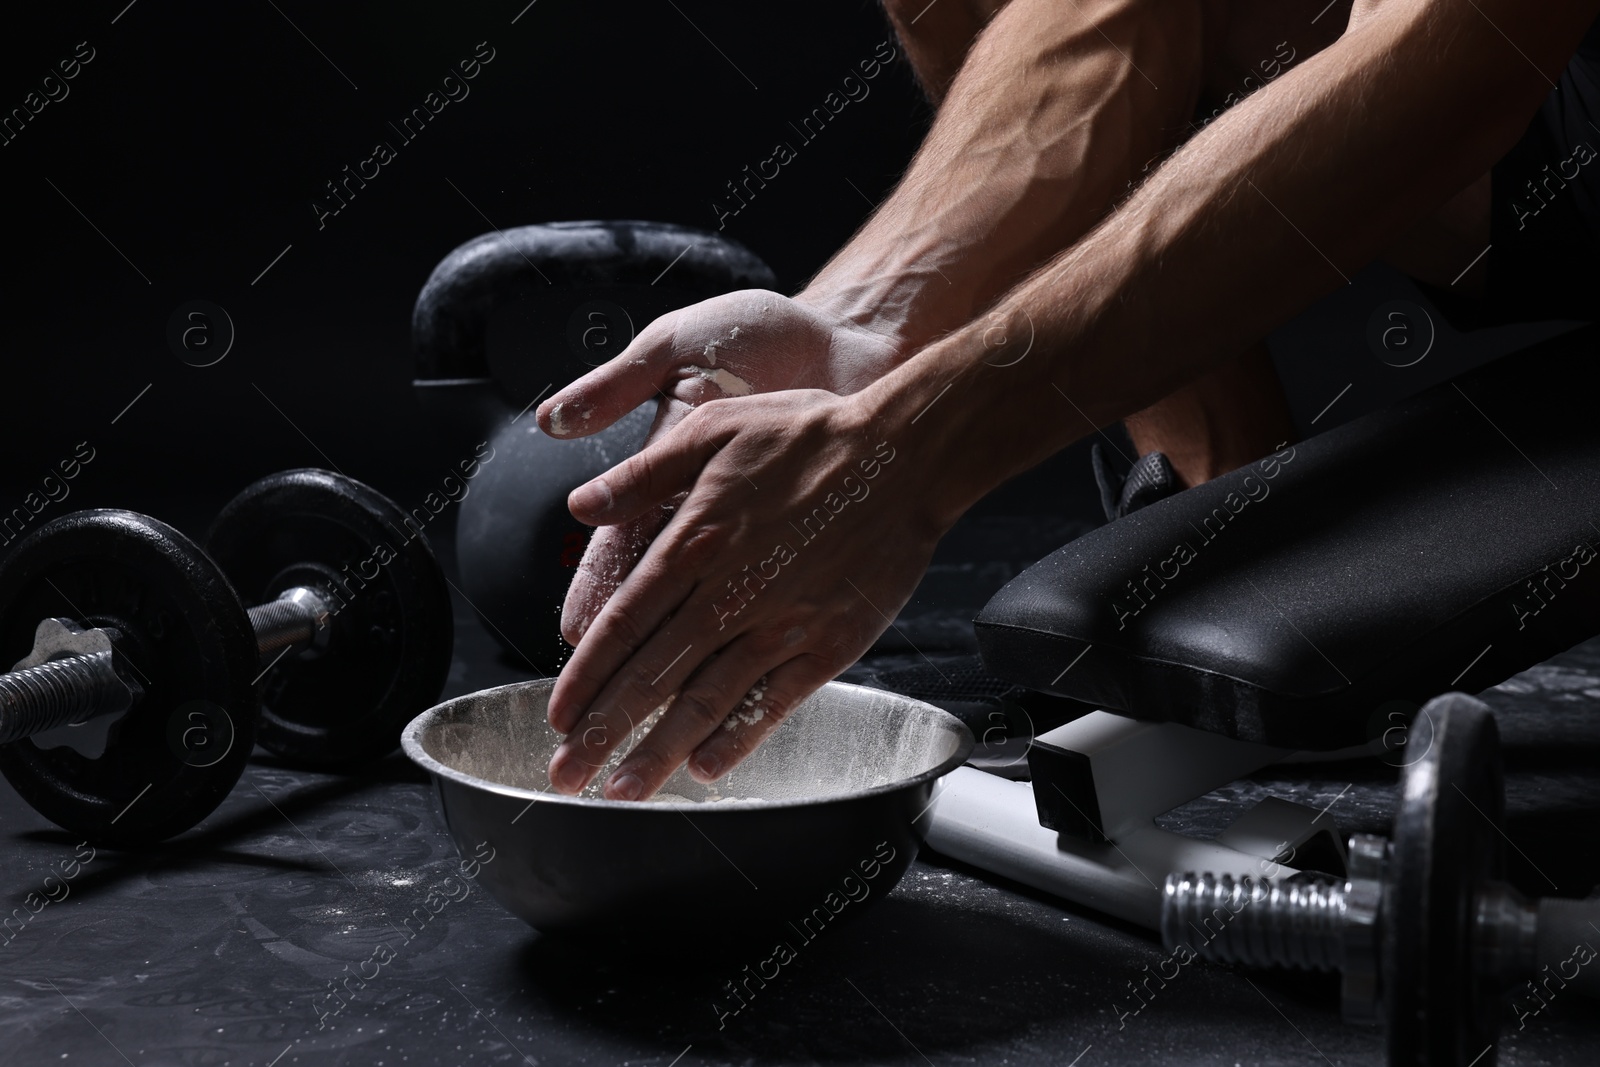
<point>214,949</point>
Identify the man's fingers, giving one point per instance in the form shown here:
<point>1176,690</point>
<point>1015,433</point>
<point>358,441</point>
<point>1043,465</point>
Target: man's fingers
<point>702,704</point>
<point>626,503</point>
<point>624,648</point>
<point>749,703</point>
<point>750,724</point>
<point>638,373</point>
<point>652,673</point>
<point>649,478</point>
<point>610,557</point>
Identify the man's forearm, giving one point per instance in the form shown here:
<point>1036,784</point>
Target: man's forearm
<point>1055,110</point>
<point>1275,204</point>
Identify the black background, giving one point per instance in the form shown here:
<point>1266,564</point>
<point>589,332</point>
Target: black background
<point>191,149</point>
<point>196,141</point>
<point>199,135</point>
<point>189,152</point>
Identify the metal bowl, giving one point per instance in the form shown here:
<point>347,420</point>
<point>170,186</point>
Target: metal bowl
<point>820,819</point>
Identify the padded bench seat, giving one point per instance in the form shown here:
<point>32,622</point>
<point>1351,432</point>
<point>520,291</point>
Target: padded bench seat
<point>1445,543</point>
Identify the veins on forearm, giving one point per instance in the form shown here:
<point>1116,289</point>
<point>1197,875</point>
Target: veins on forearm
<point>1036,139</point>
<point>1277,202</point>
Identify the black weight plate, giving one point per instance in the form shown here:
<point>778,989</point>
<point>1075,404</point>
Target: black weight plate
<point>1446,844</point>
<point>170,760</point>
<point>393,633</point>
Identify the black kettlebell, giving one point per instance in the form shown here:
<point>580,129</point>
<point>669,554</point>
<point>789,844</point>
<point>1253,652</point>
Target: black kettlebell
<point>517,545</point>
<point>510,317</point>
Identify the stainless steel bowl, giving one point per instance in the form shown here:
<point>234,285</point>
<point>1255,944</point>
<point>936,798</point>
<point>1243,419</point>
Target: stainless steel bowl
<point>819,820</point>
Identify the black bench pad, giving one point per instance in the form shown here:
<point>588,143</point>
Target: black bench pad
<point>1444,543</point>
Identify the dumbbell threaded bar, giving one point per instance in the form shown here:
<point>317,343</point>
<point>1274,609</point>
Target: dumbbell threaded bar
<point>1330,925</point>
<point>298,618</point>
<point>1306,925</point>
<point>57,693</point>
<point>1426,933</point>
<point>1259,922</point>
<point>78,686</point>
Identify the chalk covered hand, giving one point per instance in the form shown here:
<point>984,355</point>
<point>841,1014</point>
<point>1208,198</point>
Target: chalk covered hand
<point>769,554</point>
<point>737,344</point>
<point>801,531</point>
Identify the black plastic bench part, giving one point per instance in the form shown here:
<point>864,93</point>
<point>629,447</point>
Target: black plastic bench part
<point>1445,543</point>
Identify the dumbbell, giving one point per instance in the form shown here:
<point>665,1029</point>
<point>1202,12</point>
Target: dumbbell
<point>1427,934</point>
<point>512,316</point>
<point>351,638</point>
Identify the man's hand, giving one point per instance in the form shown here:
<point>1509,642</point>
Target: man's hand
<point>801,535</point>
<point>752,341</point>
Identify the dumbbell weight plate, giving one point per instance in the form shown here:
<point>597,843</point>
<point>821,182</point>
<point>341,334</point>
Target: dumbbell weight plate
<point>1446,843</point>
<point>392,631</point>
<point>172,758</point>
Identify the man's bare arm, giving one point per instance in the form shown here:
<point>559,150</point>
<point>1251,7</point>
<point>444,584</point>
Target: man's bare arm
<point>1051,121</point>
<point>1276,203</point>
<point>1271,206</point>
<point>1058,106</point>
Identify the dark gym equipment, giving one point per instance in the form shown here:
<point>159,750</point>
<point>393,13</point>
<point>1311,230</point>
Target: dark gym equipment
<point>517,545</point>
<point>1427,934</point>
<point>1374,564</point>
<point>384,654</point>
<point>130,619</point>
<point>179,647</point>
<point>511,312</point>
<point>1305,607</point>
<point>510,317</point>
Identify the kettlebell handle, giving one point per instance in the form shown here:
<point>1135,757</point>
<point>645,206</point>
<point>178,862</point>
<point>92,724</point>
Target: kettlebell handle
<point>448,323</point>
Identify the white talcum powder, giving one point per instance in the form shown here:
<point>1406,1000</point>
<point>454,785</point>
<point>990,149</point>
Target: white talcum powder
<point>595,789</point>
<point>558,421</point>
<point>710,350</point>
<point>729,383</point>
<point>673,798</point>
<point>750,710</point>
